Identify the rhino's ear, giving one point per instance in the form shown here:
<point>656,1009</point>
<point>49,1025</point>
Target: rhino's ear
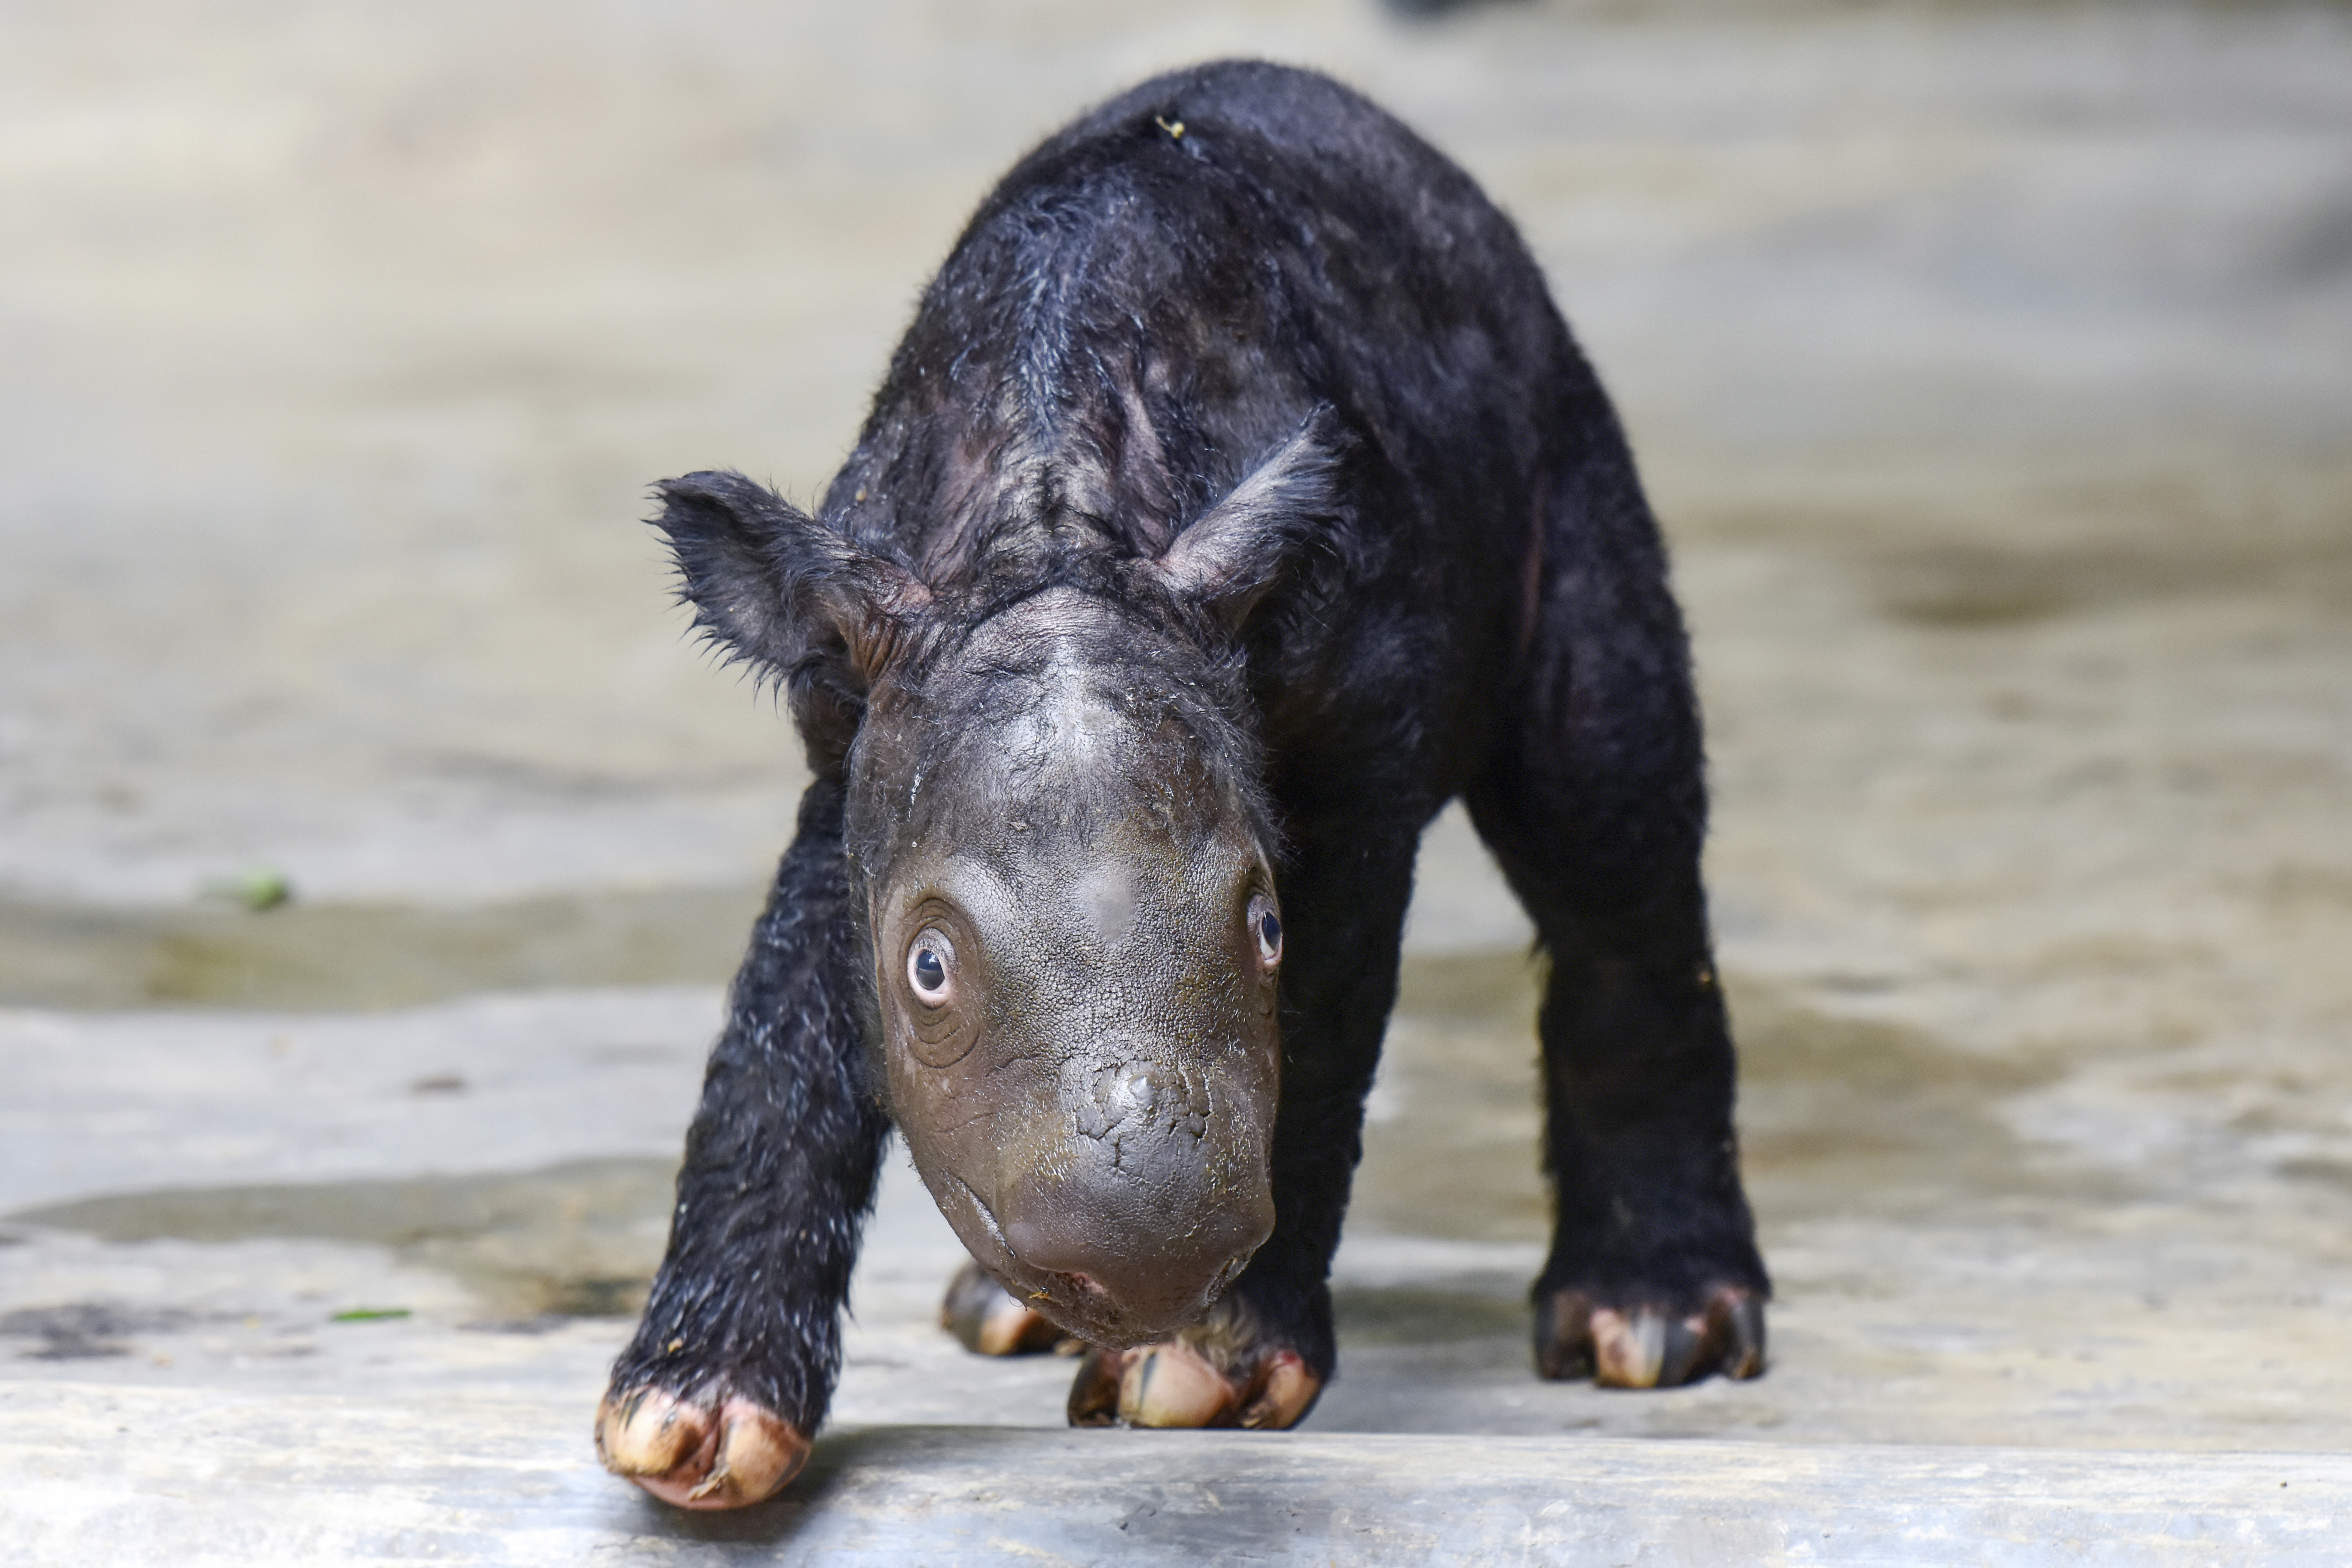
<point>777,588</point>
<point>1226,558</point>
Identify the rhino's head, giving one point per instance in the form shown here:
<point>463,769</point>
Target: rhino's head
<point>1068,878</point>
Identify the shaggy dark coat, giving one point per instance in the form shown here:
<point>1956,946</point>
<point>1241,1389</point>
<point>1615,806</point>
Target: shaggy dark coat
<point>1471,601</point>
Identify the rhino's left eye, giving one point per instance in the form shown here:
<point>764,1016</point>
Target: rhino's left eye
<point>928,965</point>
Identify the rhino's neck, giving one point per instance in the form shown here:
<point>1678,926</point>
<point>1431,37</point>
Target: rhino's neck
<point>1024,495</point>
<point>1008,440</point>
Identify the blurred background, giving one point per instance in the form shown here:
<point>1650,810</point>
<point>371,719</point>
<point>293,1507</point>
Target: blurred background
<point>373,841</point>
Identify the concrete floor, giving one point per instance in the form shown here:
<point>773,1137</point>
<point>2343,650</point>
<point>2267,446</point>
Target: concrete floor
<point>1993,368</point>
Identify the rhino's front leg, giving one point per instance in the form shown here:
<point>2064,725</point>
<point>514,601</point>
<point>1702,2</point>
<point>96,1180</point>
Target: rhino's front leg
<point>715,1401</point>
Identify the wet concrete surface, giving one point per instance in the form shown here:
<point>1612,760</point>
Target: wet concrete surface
<point>215,955</point>
<point>1992,367</point>
<point>1943,1277</point>
<point>500,1491</point>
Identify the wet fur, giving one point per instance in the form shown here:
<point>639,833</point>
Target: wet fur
<point>1457,590</point>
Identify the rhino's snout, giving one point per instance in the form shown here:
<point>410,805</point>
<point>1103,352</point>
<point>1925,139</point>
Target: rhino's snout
<point>1142,1113</point>
<point>1131,1290</point>
<point>1148,1214</point>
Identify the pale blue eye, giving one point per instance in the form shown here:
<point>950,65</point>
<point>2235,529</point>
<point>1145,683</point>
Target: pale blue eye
<point>930,974</point>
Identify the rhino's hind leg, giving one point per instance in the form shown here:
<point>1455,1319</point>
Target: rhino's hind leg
<point>1594,803</point>
<point>1209,1375</point>
<point>1649,1346</point>
<point>1263,1354</point>
<point>1217,1374</point>
<point>986,1319</point>
<point>1223,1372</point>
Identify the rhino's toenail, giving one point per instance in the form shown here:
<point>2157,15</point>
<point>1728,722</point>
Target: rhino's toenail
<point>1171,1386</point>
<point>1628,1352</point>
<point>1735,1321</point>
<point>1684,1355</point>
<point>1289,1392</point>
<point>1564,1335</point>
<point>1094,1392</point>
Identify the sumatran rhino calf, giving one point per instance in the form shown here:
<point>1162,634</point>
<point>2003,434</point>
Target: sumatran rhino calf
<point>1236,499</point>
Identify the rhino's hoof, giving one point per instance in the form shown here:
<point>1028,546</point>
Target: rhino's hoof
<point>1648,1346</point>
<point>698,1455</point>
<point>986,1320</point>
<point>1173,1383</point>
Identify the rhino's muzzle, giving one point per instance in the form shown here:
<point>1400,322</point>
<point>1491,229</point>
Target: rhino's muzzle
<point>1134,1215</point>
<point>1115,1281</point>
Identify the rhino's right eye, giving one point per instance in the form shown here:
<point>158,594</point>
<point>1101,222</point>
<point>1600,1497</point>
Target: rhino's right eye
<point>1266,927</point>
<point>928,965</point>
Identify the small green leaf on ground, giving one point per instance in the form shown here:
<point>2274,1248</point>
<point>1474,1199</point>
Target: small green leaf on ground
<point>368,1314</point>
<point>257,887</point>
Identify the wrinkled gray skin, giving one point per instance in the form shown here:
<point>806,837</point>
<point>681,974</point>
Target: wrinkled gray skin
<point>1050,810</point>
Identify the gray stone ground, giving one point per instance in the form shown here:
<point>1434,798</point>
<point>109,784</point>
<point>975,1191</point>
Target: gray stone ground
<point>1992,367</point>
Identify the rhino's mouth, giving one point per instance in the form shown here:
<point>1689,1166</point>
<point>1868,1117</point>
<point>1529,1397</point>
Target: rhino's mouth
<point>1075,1299</point>
<point>987,1216</point>
<point>1078,1305</point>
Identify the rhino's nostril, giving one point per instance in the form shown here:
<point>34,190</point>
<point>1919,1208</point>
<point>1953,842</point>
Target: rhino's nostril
<point>1230,1272</point>
<point>987,1216</point>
